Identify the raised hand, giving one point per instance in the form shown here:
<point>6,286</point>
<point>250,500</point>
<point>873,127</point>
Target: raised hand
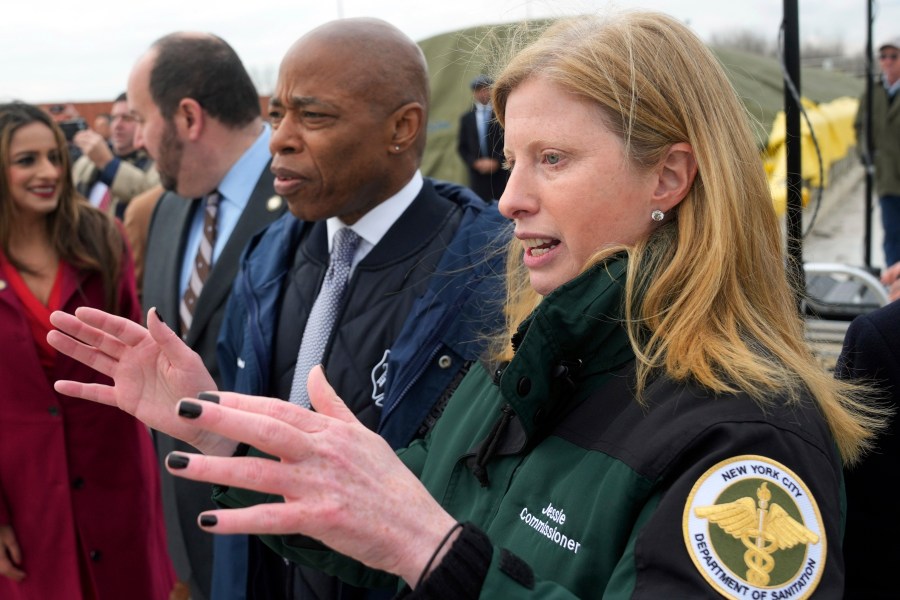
<point>94,146</point>
<point>342,483</point>
<point>151,370</point>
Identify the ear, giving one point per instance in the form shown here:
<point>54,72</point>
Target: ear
<point>189,119</point>
<point>675,176</point>
<point>405,124</point>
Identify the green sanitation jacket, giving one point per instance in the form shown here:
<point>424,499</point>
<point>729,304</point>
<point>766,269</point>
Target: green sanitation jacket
<point>583,492</point>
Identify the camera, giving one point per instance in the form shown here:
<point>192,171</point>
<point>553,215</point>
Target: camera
<point>72,126</point>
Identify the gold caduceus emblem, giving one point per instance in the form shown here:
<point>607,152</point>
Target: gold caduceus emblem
<point>762,530</point>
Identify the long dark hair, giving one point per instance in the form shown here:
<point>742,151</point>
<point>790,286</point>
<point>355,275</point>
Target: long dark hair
<point>83,236</point>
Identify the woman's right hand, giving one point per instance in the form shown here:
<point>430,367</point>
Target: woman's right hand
<point>10,554</point>
<point>327,461</point>
<point>151,370</point>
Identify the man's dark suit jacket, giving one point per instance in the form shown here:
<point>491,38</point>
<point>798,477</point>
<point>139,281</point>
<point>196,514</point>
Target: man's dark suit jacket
<point>183,500</point>
<point>488,187</point>
<point>871,549</point>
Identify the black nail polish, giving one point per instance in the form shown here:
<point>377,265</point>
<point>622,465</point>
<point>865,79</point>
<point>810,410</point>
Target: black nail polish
<point>189,410</point>
<point>159,316</point>
<point>208,520</point>
<point>177,461</point>
<point>208,397</point>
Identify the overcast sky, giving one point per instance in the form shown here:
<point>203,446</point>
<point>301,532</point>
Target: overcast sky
<point>83,49</point>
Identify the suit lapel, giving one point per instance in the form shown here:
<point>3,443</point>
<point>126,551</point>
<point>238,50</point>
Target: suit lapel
<point>426,214</point>
<point>257,214</point>
<point>893,108</point>
<point>70,284</point>
<point>175,214</point>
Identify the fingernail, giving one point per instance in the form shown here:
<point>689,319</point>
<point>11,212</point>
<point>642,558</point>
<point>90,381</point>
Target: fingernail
<point>177,461</point>
<point>208,520</point>
<point>159,316</point>
<point>208,397</point>
<point>189,410</point>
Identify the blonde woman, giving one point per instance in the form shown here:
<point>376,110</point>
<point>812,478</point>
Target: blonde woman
<point>653,425</point>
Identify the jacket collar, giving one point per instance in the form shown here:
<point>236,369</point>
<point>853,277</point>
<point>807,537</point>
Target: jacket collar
<point>436,202</point>
<point>572,339</point>
<point>70,285</point>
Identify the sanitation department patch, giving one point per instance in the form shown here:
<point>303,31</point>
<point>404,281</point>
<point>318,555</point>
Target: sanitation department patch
<point>754,531</point>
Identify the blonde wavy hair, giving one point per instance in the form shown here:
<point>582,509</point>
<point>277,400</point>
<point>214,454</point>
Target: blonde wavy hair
<point>707,297</point>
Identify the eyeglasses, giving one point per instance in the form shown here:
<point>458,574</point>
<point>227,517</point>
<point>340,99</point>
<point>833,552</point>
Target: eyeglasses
<point>889,56</point>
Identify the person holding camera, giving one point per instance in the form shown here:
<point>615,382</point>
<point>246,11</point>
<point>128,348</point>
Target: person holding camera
<point>111,177</point>
<point>71,122</point>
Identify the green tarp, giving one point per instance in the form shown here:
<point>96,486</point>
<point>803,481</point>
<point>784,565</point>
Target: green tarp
<point>455,58</point>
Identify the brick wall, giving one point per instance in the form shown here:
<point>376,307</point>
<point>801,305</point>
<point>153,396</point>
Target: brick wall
<point>90,110</point>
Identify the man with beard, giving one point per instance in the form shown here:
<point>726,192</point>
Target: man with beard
<point>111,173</point>
<point>198,116</point>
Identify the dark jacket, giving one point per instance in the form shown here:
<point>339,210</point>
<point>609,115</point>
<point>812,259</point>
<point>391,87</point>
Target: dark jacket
<point>872,352</point>
<point>428,293</point>
<point>417,312</point>
<point>588,494</point>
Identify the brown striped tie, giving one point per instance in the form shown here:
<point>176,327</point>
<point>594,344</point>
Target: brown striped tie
<point>202,264</point>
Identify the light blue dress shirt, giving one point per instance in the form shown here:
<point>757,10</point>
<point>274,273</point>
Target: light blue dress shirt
<point>235,190</point>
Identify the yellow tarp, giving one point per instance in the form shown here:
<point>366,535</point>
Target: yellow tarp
<point>832,123</point>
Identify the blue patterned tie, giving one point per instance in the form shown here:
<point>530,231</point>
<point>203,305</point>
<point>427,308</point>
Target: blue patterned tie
<point>324,312</point>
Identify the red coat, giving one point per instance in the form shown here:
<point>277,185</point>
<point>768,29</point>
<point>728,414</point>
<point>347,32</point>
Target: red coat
<point>75,476</point>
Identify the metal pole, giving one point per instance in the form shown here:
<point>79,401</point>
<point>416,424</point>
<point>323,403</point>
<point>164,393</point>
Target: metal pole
<point>792,145</point>
<point>869,147</point>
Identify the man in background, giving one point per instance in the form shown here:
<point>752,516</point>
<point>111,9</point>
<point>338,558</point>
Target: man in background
<point>481,143</point>
<point>885,144</point>
<point>111,173</point>
<point>198,115</point>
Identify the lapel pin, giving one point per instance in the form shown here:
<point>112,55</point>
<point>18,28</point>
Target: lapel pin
<point>274,203</point>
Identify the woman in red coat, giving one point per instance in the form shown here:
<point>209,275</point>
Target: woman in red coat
<point>80,514</point>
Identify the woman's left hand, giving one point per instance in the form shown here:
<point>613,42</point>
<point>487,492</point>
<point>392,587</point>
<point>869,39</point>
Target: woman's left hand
<point>342,484</point>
